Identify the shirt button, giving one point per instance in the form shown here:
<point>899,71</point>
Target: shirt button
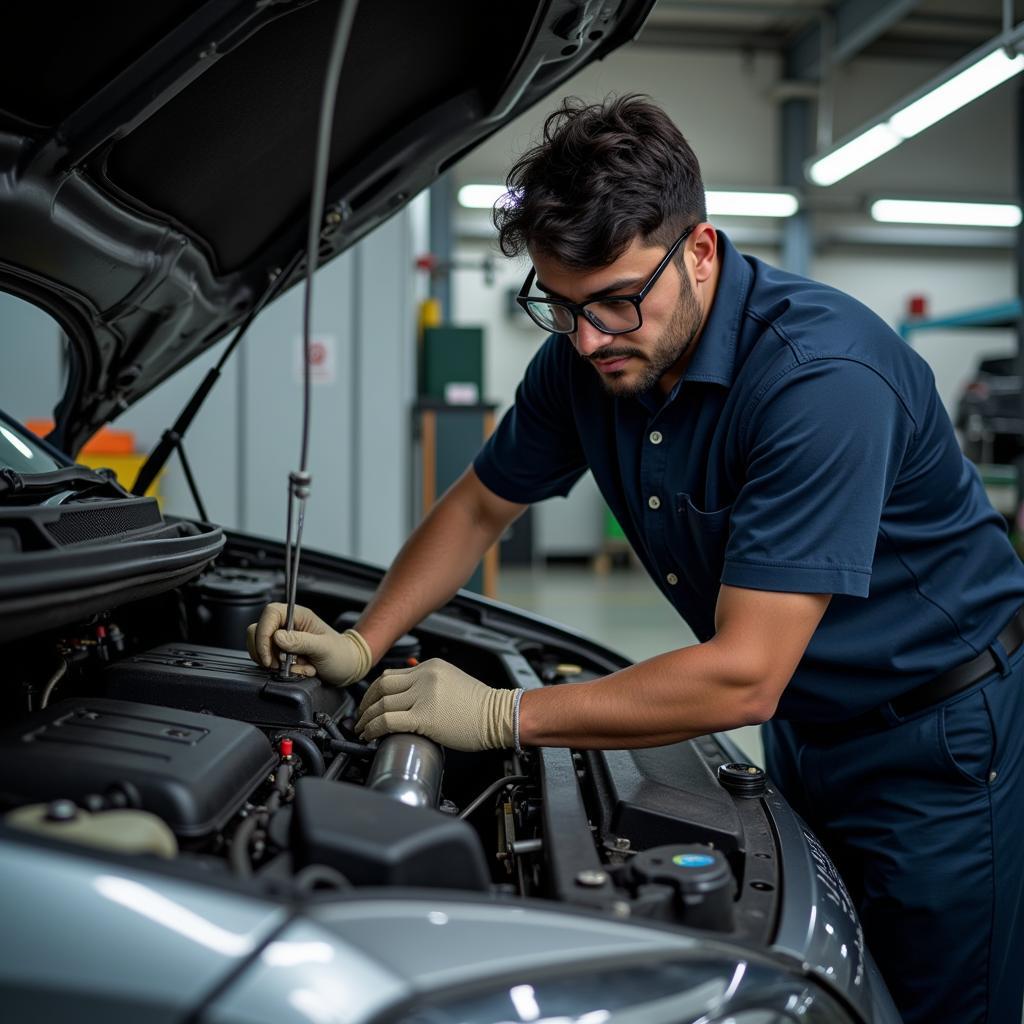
<point>656,437</point>
<point>654,501</point>
<point>672,578</point>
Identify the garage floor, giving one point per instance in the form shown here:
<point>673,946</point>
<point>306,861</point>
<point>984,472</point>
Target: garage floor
<point>623,609</point>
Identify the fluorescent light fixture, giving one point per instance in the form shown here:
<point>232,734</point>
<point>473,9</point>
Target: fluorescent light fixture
<point>751,204</point>
<point>723,203</point>
<point>960,90</point>
<point>480,197</point>
<point>854,155</point>
<point>978,74</point>
<point>917,211</point>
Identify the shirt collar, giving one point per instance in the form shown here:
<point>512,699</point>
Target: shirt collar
<point>714,362</point>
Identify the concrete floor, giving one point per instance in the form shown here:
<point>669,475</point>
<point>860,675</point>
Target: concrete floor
<point>622,609</point>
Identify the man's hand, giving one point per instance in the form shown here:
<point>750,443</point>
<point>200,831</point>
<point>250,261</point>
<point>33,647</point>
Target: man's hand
<point>337,658</point>
<point>441,702</point>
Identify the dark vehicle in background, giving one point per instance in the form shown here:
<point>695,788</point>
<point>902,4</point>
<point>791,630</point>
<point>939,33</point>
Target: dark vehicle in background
<point>186,837</point>
<point>990,413</point>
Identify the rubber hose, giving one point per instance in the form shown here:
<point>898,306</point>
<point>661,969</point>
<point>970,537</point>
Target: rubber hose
<point>308,877</point>
<point>308,750</point>
<point>282,778</point>
<point>355,749</point>
<point>238,855</point>
<point>337,766</point>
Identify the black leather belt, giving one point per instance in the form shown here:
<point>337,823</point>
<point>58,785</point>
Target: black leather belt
<point>935,691</point>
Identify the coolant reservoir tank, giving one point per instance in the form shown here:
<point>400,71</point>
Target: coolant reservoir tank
<point>124,831</point>
<point>224,601</point>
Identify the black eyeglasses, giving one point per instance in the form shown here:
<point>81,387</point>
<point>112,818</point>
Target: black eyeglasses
<point>613,314</point>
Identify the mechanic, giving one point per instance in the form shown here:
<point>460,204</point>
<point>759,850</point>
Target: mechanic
<point>783,467</point>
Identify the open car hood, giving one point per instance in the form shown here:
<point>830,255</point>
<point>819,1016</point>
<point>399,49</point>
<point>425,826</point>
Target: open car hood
<point>156,159</point>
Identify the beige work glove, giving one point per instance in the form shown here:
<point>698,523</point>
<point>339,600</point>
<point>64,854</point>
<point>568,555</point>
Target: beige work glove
<point>337,658</point>
<point>441,702</point>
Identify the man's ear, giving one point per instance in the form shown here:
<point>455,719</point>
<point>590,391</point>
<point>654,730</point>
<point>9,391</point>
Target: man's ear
<point>704,246</point>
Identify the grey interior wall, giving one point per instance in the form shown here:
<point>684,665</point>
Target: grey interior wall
<point>271,414</point>
<point>384,382</point>
<point>211,443</point>
<point>361,435</point>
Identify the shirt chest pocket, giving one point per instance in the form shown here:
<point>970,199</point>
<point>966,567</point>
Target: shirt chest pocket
<point>698,544</point>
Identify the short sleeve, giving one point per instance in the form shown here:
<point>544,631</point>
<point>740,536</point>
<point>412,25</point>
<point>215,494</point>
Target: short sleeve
<point>824,446</point>
<point>535,452</point>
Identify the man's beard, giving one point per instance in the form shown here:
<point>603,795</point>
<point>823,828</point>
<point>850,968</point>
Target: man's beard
<point>673,346</point>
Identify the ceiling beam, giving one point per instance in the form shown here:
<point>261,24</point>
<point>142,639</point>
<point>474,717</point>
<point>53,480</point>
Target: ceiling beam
<point>857,24</point>
<point>682,37</point>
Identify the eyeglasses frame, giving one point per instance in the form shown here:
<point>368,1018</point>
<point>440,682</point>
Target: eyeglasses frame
<point>576,308</point>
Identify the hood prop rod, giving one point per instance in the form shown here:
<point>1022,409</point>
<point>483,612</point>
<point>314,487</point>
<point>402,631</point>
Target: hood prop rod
<point>300,481</point>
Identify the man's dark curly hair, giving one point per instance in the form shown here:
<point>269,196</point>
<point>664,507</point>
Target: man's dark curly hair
<point>603,174</point>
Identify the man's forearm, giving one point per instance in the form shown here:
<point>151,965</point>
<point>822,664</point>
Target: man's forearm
<point>736,678</point>
<point>438,558</point>
<point>666,699</point>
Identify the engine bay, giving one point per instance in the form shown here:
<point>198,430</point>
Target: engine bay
<point>147,731</point>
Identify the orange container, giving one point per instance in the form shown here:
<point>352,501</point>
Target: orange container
<point>106,440</point>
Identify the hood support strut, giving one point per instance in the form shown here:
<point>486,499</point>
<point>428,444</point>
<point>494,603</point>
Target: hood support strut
<point>172,438</point>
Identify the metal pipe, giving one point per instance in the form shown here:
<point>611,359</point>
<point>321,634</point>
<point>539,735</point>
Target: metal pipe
<point>53,681</point>
<point>490,791</point>
<point>520,847</point>
<point>408,768</point>
<point>826,95</point>
<point>337,766</point>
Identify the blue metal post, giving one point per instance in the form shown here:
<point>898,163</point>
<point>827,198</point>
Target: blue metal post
<point>798,231</point>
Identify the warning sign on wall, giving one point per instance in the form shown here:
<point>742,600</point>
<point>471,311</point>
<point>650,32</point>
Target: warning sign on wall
<point>323,358</point>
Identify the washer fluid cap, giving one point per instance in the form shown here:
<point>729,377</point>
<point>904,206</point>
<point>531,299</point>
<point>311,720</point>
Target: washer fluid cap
<point>698,879</point>
<point>742,779</point>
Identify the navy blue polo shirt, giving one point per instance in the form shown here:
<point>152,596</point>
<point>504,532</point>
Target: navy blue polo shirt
<point>804,450</point>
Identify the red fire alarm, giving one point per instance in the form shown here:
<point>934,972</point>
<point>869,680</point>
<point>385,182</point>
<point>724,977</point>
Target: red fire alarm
<point>917,306</point>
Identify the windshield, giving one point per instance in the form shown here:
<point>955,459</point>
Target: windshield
<point>33,378</point>
<point>22,453</point>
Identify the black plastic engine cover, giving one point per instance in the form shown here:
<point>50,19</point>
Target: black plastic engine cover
<point>223,682</point>
<point>194,771</point>
<point>375,840</point>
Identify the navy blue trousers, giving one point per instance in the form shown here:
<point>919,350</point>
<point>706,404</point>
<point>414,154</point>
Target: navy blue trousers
<point>925,822</point>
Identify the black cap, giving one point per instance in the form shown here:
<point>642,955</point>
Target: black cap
<point>742,779</point>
